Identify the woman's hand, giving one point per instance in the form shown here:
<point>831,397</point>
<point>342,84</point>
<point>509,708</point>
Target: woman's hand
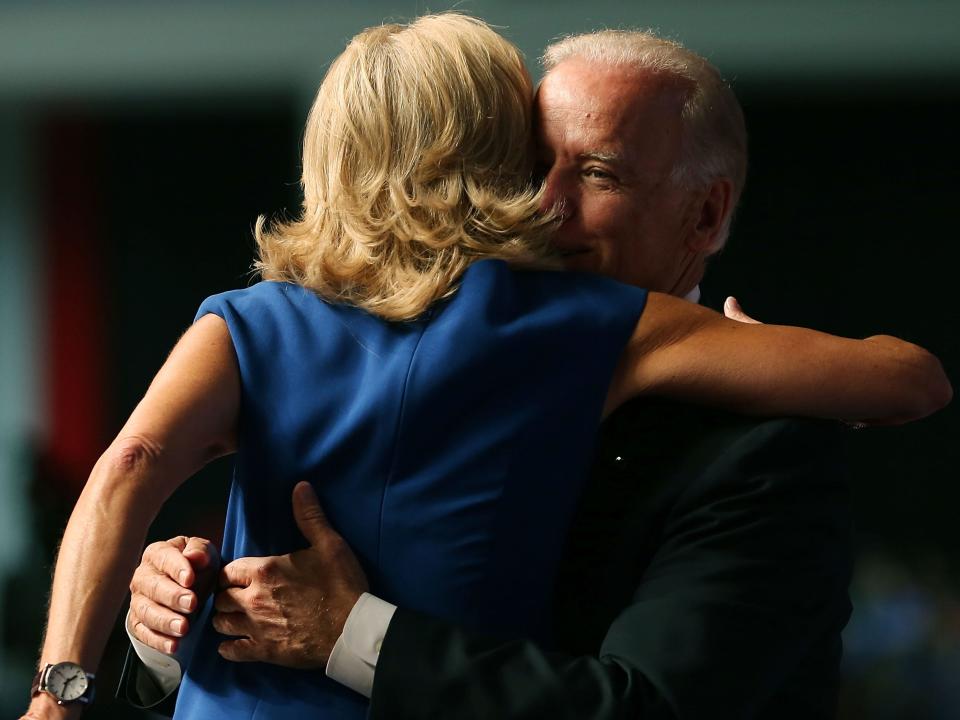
<point>44,707</point>
<point>187,418</point>
<point>733,311</point>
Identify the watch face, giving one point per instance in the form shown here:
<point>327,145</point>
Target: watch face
<point>67,681</point>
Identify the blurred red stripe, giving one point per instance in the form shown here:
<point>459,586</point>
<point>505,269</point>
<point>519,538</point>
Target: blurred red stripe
<point>76,330</point>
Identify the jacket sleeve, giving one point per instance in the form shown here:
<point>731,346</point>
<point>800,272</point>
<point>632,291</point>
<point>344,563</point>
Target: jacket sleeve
<point>431,669</point>
<point>736,613</point>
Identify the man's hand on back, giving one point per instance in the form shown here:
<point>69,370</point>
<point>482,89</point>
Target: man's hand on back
<point>290,609</point>
<point>287,610</point>
<point>174,579</point>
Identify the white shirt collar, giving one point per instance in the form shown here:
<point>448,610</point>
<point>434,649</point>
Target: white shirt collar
<point>694,295</point>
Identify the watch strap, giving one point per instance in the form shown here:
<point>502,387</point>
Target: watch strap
<point>38,679</point>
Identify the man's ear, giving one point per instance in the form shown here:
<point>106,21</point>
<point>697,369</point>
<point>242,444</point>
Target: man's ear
<point>713,207</point>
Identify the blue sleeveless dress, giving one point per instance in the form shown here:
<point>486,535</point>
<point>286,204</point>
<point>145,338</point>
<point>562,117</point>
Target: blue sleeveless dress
<point>449,451</point>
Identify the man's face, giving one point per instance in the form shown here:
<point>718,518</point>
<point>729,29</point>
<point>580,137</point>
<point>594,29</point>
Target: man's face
<point>608,139</point>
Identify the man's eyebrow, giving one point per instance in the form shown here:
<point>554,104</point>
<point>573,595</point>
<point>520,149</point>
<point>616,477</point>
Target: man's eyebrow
<point>601,156</point>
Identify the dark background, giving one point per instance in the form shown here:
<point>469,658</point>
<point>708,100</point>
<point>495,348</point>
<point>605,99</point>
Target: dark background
<point>847,225</point>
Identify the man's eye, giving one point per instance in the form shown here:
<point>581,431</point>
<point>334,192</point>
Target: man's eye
<point>599,174</point>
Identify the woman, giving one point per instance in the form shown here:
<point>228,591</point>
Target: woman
<point>417,378</point>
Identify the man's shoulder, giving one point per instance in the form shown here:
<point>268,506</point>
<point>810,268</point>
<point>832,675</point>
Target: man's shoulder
<point>683,498</point>
<point>639,417</point>
<point>669,445</point>
<point>667,476</point>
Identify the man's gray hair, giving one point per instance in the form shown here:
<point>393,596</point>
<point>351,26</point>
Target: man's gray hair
<point>714,141</point>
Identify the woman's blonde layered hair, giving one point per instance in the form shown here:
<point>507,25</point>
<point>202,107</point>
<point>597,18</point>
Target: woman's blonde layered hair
<point>417,161</point>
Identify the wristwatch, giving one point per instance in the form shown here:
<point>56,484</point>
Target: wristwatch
<point>66,681</point>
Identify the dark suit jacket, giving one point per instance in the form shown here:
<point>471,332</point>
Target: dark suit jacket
<point>706,577</point>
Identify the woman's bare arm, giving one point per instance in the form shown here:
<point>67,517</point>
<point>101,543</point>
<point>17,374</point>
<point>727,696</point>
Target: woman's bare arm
<point>187,418</point>
<point>687,352</point>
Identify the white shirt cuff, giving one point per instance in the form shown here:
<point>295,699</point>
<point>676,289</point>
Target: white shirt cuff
<point>353,659</point>
<point>163,668</point>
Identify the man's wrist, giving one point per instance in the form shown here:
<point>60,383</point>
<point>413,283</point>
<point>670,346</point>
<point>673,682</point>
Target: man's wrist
<point>353,660</point>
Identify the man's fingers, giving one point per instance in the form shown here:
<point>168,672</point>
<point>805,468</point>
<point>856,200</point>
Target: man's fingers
<point>205,559</point>
<point>231,623</point>
<point>158,641</point>
<point>230,600</point>
<point>158,618</point>
<point>179,542</point>
<point>309,515</point>
<point>240,650</point>
<point>239,573</point>
<point>732,309</point>
<point>201,553</point>
<point>167,558</point>
<point>162,590</point>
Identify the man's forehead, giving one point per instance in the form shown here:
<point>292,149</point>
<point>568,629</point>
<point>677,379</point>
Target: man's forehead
<point>568,113</point>
<point>564,101</point>
<point>592,95</point>
<point>581,81</point>
<point>590,135</point>
<point>620,115</point>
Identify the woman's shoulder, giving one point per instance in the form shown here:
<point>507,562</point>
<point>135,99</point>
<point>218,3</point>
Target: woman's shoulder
<point>259,296</point>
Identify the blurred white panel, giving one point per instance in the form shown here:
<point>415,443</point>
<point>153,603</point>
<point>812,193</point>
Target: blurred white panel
<point>78,48</point>
<point>20,319</point>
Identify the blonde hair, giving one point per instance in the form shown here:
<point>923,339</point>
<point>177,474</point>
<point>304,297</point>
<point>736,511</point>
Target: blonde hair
<point>417,161</point>
<point>714,142</point>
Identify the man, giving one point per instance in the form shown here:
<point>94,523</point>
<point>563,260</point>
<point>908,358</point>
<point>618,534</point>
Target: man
<point>706,575</point>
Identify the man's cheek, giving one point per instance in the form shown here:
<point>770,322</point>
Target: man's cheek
<point>569,235</point>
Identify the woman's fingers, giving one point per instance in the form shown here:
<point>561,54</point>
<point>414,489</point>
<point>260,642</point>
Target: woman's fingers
<point>732,309</point>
